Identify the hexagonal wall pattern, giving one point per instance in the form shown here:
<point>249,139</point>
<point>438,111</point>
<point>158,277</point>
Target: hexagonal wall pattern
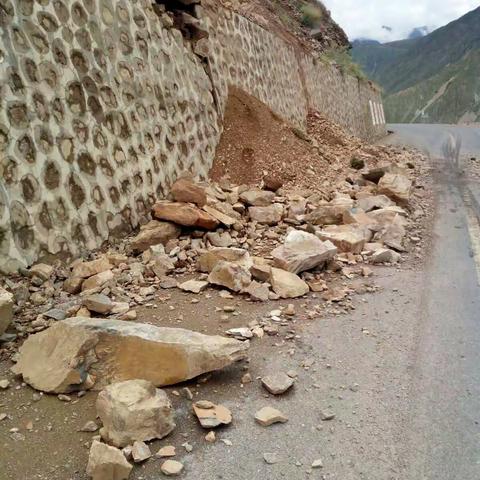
<point>103,103</point>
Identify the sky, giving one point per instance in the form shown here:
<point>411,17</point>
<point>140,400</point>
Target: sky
<point>365,18</point>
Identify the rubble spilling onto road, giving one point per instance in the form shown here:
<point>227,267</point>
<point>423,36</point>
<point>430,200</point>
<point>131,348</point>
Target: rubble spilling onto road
<point>264,243</point>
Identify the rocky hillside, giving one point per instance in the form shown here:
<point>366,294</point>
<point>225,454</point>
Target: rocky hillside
<point>307,21</point>
<point>432,79</point>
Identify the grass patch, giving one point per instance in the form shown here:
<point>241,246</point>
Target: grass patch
<point>344,60</point>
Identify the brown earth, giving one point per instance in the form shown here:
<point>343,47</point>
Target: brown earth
<point>256,144</point>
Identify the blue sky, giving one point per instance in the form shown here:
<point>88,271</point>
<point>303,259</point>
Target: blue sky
<point>365,18</point>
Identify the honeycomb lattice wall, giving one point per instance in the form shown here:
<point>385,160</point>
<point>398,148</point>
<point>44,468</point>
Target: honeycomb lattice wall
<point>103,103</point>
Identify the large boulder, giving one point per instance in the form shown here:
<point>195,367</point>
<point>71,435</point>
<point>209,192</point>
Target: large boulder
<point>154,233</point>
<point>270,215</point>
<point>74,353</point>
<point>187,191</point>
<point>107,463</point>
<point>396,186</point>
<point>287,284</point>
<point>207,261</point>
<point>134,410</point>
<point>347,238</point>
<point>302,251</point>
<point>6,310</point>
<point>230,275</point>
<point>184,214</point>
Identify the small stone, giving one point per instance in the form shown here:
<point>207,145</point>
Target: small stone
<point>90,427</point>
<point>98,303</point>
<point>97,281</point>
<point>268,416</point>
<point>327,416</point>
<point>42,271</point>
<point>171,467</point>
<point>317,463</point>
<point>88,269</point>
<point>167,451</point>
<point>271,458</point>
<point>6,310</point>
<point>210,437</point>
<point>188,448</point>
<point>277,383</point>
<point>290,310</point>
<point>4,384</point>
<point>247,378</point>
<point>64,398</point>
<point>140,452</point>
<point>213,415</point>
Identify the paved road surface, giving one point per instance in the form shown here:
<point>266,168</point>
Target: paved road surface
<point>401,373</point>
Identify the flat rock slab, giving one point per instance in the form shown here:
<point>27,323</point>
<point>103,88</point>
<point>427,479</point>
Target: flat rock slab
<point>184,214</point>
<point>210,415</point>
<point>193,286</point>
<point>277,383</point>
<point>268,416</point>
<point>77,352</point>
<point>171,468</point>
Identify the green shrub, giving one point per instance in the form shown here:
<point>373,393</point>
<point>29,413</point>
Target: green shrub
<point>357,163</point>
<point>312,15</point>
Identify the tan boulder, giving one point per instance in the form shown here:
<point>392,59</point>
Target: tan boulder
<point>230,275</point>
<point>107,463</point>
<point>384,255</point>
<point>42,271</point>
<point>88,269</point>
<point>187,191</point>
<point>68,355</point>
<point>258,291</point>
<point>287,284</point>
<point>302,251</point>
<point>374,202</point>
<point>134,410</point>
<point>154,233</point>
<point>347,238</point>
<point>326,215</point>
<point>257,198</point>
<point>98,280</point>
<point>270,215</point>
<point>267,416</point>
<point>184,214</point>
<point>392,234</point>
<point>396,186</point>
<point>6,310</point>
<point>208,260</point>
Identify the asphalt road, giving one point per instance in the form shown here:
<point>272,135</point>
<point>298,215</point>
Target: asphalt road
<point>443,437</point>
<point>400,372</point>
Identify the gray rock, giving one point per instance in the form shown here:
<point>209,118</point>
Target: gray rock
<point>277,383</point>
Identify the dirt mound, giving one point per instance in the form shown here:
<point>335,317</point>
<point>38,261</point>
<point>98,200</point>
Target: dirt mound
<point>256,144</point>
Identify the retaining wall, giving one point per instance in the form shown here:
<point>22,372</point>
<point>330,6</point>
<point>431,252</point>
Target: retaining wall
<point>103,103</point>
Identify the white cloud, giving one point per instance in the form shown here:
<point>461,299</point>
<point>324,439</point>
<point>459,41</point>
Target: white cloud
<point>364,19</point>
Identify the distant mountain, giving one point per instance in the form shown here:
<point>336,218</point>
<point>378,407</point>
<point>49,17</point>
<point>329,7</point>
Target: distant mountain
<point>433,78</point>
<point>419,32</point>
